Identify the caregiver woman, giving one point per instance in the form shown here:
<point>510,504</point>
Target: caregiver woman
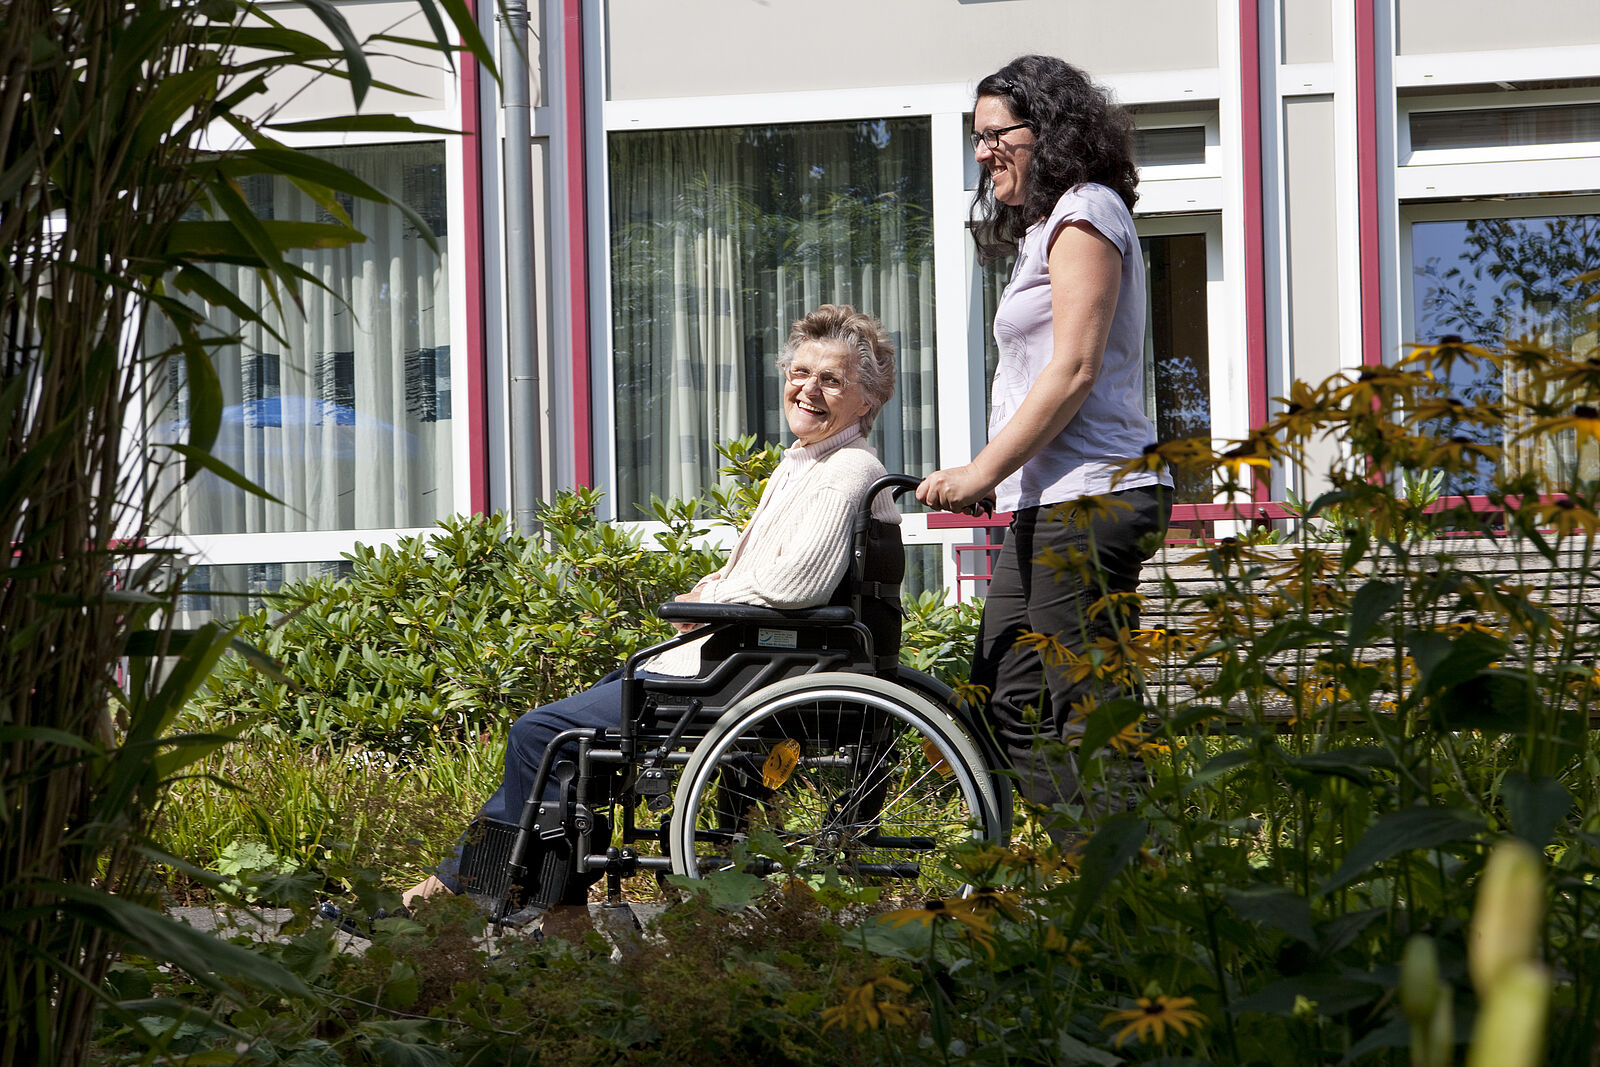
<point>1056,186</point>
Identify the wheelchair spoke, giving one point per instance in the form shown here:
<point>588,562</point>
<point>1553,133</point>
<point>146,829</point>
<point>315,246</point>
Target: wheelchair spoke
<point>863,787</point>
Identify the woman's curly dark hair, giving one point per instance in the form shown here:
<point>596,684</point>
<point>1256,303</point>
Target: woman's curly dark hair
<point>1080,136</point>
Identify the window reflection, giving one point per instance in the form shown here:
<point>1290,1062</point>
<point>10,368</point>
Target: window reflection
<point>1488,281</point>
<point>342,409</point>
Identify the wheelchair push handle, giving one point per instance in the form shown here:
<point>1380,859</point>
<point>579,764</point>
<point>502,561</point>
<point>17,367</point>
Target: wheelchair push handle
<point>901,483</point>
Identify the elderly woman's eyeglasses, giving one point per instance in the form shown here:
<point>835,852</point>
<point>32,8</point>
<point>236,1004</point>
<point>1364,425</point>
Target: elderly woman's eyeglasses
<point>829,382</point>
<point>991,137</point>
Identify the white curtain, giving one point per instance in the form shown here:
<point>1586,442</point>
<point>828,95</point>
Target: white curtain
<point>721,239</point>
<point>348,423</point>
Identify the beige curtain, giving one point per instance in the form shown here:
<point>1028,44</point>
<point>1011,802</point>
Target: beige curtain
<point>348,423</point>
<point>720,239</point>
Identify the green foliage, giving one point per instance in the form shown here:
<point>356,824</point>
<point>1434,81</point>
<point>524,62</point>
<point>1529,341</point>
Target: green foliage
<point>706,986</point>
<point>113,201</point>
<point>447,635</point>
<point>938,637</point>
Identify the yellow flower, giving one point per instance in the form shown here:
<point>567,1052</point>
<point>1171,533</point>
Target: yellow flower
<point>1443,356</point>
<point>1120,603</point>
<point>985,902</point>
<point>1376,385</point>
<point>1305,410</point>
<point>1185,453</point>
<point>1566,517</point>
<point>1584,420</point>
<point>934,909</point>
<point>863,1010</point>
<point>1127,739</point>
<point>971,695</point>
<point>1153,1016</point>
<point>1085,510</point>
<point>1056,942</point>
<point>1048,646</point>
<point>1459,451</point>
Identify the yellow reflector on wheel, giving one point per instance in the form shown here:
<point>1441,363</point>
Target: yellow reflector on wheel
<point>780,763</point>
<point>935,757</point>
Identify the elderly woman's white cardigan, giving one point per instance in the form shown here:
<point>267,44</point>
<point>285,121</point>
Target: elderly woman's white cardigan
<point>794,551</point>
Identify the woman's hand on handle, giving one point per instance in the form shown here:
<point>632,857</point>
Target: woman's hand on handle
<point>955,489</point>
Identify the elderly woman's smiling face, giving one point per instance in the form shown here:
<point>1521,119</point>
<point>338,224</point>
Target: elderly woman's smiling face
<point>821,395</point>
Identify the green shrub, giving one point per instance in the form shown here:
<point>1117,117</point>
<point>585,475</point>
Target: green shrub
<point>447,635</point>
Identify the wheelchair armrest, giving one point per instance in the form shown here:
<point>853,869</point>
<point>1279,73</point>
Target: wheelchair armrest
<point>694,611</point>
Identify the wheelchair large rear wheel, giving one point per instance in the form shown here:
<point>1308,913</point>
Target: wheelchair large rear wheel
<point>834,772</point>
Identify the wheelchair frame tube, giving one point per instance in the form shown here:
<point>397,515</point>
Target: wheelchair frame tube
<point>530,807</point>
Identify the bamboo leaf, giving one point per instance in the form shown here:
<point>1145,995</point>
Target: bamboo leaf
<point>202,956</point>
<point>360,124</point>
<point>355,57</point>
<point>200,283</point>
<point>198,459</point>
<point>467,26</point>
<point>185,749</point>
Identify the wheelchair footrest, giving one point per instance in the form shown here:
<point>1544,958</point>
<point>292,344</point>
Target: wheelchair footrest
<point>485,869</point>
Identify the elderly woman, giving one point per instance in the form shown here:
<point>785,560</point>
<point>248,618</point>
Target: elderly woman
<point>838,371</point>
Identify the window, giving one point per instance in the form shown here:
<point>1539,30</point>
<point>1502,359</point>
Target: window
<point>1169,146</point>
<point>345,415</point>
<point>1486,279</point>
<point>720,239</point>
<point>1177,359</point>
<point>1504,127</point>
<point>223,593</point>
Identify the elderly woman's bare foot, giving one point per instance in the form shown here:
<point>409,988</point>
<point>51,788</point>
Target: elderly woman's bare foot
<point>428,887</point>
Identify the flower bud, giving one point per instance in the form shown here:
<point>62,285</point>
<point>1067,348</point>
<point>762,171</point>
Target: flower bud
<point>1511,1023</point>
<point>1509,915</point>
<point>1419,980</point>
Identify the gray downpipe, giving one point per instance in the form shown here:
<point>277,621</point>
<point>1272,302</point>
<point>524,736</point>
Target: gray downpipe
<point>522,337</point>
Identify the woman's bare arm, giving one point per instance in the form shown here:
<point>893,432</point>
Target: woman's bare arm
<point>1085,279</point>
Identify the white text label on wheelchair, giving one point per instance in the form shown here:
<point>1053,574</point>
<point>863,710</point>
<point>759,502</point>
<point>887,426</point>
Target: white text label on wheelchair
<point>777,638</point>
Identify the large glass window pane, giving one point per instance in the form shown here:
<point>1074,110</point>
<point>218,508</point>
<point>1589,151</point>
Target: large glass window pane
<point>1177,351</point>
<point>345,415</point>
<point>1488,280</point>
<point>720,239</point>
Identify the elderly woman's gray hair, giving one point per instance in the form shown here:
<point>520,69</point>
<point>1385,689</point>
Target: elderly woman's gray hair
<point>871,351</point>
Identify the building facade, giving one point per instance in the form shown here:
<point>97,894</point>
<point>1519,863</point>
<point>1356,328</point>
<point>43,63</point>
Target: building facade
<point>1322,181</point>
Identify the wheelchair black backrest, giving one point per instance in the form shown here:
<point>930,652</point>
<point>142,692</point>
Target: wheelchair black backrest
<point>871,586</point>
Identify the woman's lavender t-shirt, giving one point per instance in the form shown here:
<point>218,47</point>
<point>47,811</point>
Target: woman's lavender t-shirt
<point>1111,425</point>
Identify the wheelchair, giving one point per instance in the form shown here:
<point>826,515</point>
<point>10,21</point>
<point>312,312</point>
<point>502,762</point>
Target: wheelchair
<point>802,749</point>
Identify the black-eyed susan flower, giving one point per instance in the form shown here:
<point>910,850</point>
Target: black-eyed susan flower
<point>1152,1016</point>
<point>1184,453</point>
<point>1445,354</point>
<point>1048,647</point>
<point>1584,420</point>
<point>1120,604</point>
<point>1084,511</point>
<point>971,695</point>
<point>868,1005</point>
<point>1055,943</point>
<point>1073,562</point>
<point>1378,387</point>
<point>1566,517</point>
<point>1458,452</point>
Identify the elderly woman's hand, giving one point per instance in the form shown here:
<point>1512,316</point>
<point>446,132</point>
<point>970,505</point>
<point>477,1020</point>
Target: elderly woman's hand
<point>693,596</point>
<point>954,489</point>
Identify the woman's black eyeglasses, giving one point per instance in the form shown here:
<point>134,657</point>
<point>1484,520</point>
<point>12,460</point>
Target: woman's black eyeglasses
<point>992,137</point>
